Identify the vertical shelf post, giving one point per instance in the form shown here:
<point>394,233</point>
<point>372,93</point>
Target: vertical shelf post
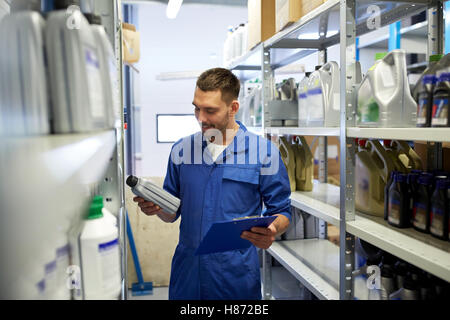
<point>347,147</point>
<point>435,46</point>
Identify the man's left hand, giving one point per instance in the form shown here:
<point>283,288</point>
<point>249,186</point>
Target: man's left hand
<point>261,237</point>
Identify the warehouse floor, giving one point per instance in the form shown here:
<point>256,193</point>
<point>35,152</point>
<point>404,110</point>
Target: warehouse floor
<point>284,287</point>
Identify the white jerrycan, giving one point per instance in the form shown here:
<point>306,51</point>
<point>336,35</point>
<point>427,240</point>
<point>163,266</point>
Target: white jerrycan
<point>302,101</point>
<point>108,68</point>
<point>23,87</point>
<point>384,96</point>
<point>323,96</point>
<point>75,76</point>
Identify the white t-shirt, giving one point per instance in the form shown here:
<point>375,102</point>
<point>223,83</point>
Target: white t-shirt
<point>216,150</point>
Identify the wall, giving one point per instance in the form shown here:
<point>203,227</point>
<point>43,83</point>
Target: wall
<point>192,41</point>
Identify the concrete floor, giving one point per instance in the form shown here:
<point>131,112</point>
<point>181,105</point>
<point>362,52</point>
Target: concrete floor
<point>284,287</point>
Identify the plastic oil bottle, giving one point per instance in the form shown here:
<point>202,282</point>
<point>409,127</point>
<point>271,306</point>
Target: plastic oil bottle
<point>369,193</point>
<point>440,116</point>
<point>423,92</point>
<point>323,96</point>
<point>100,257</point>
<point>302,101</point>
<point>304,165</point>
<point>23,83</point>
<point>74,70</point>
<point>108,70</point>
<point>407,155</point>
<point>384,96</point>
<point>439,210</point>
<point>395,156</point>
<point>421,207</point>
<point>288,157</point>
<point>398,209</point>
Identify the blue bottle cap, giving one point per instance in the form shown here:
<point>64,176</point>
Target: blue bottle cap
<point>444,77</point>
<point>429,79</point>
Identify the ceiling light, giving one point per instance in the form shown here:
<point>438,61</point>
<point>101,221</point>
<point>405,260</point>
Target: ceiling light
<point>172,8</point>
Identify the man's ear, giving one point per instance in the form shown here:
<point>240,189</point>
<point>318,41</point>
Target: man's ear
<point>234,107</point>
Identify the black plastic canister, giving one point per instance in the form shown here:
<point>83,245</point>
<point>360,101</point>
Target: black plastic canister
<point>398,210</point>
<point>440,116</point>
<point>412,182</point>
<point>425,100</point>
<point>421,206</point>
<point>439,210</point>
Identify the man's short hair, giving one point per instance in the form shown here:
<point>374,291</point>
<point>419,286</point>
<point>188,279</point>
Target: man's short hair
<point>220,79</point>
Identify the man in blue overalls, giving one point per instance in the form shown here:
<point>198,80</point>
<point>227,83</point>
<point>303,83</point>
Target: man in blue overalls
<point>221,173</point>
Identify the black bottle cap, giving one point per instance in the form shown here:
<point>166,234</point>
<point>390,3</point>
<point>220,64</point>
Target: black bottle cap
<point>93,18</point>
<point>318,67</point>
<point>132,181</point>
<point>64,4</point>
<point>307,74</point>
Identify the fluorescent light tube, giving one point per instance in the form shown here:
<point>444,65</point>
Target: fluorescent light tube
<point>172,8</point>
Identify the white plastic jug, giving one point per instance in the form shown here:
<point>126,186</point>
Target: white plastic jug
<point>384,96</point>
<point>323,96</point>
<point>74,68</point>
<point>100,257</point>
<point>108,68</point>
<point>23,83</point>
<point>302,101</point>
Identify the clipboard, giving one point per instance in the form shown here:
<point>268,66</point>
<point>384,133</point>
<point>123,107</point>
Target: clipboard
<point>226,235</point>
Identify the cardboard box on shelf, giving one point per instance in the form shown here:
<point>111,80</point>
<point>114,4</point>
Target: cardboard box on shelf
<point>421,149</point>
<point>131,43</point>
<point>333,157</point>
<point>309,5</point>
<point>261,21</point>
<point>287,12</point>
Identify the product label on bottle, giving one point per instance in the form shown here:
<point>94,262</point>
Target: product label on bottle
<point>422,108</point>
<point>440,112</point>
<point>110,265</point>
<point>420,215</point>
<point>394,209</point>
<point>94,83</point>
<point>437,221</point>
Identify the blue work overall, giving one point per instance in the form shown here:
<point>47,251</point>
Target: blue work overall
<point>249,172</point>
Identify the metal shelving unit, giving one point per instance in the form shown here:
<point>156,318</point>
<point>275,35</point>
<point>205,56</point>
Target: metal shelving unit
<point>339,22</point>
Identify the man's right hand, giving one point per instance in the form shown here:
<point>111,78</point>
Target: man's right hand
<point>147,207</point>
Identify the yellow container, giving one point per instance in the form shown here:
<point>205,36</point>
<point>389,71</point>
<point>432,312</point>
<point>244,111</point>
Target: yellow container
<point>304,165</point>
<point>407,155</point>
<point>394,155</point>
<point>372,168</point>
<point>288,157</point>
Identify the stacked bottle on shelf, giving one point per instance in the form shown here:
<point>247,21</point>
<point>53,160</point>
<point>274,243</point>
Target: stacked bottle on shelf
<point>299,162</point>
<point>374,164</point>
<point>384,98</point>
<point>319,96</point>
<point>432,93</point>
<point>235,44</point>
<point>95,255</point>
<point>57,76</point>
<point>399,280</point>
<point>420,200</point>
<point>250,112</point>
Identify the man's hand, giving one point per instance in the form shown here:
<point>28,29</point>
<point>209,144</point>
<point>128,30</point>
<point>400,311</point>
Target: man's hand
<point>150,209</point>
<point>261,237</point>
<point>147,207</point>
